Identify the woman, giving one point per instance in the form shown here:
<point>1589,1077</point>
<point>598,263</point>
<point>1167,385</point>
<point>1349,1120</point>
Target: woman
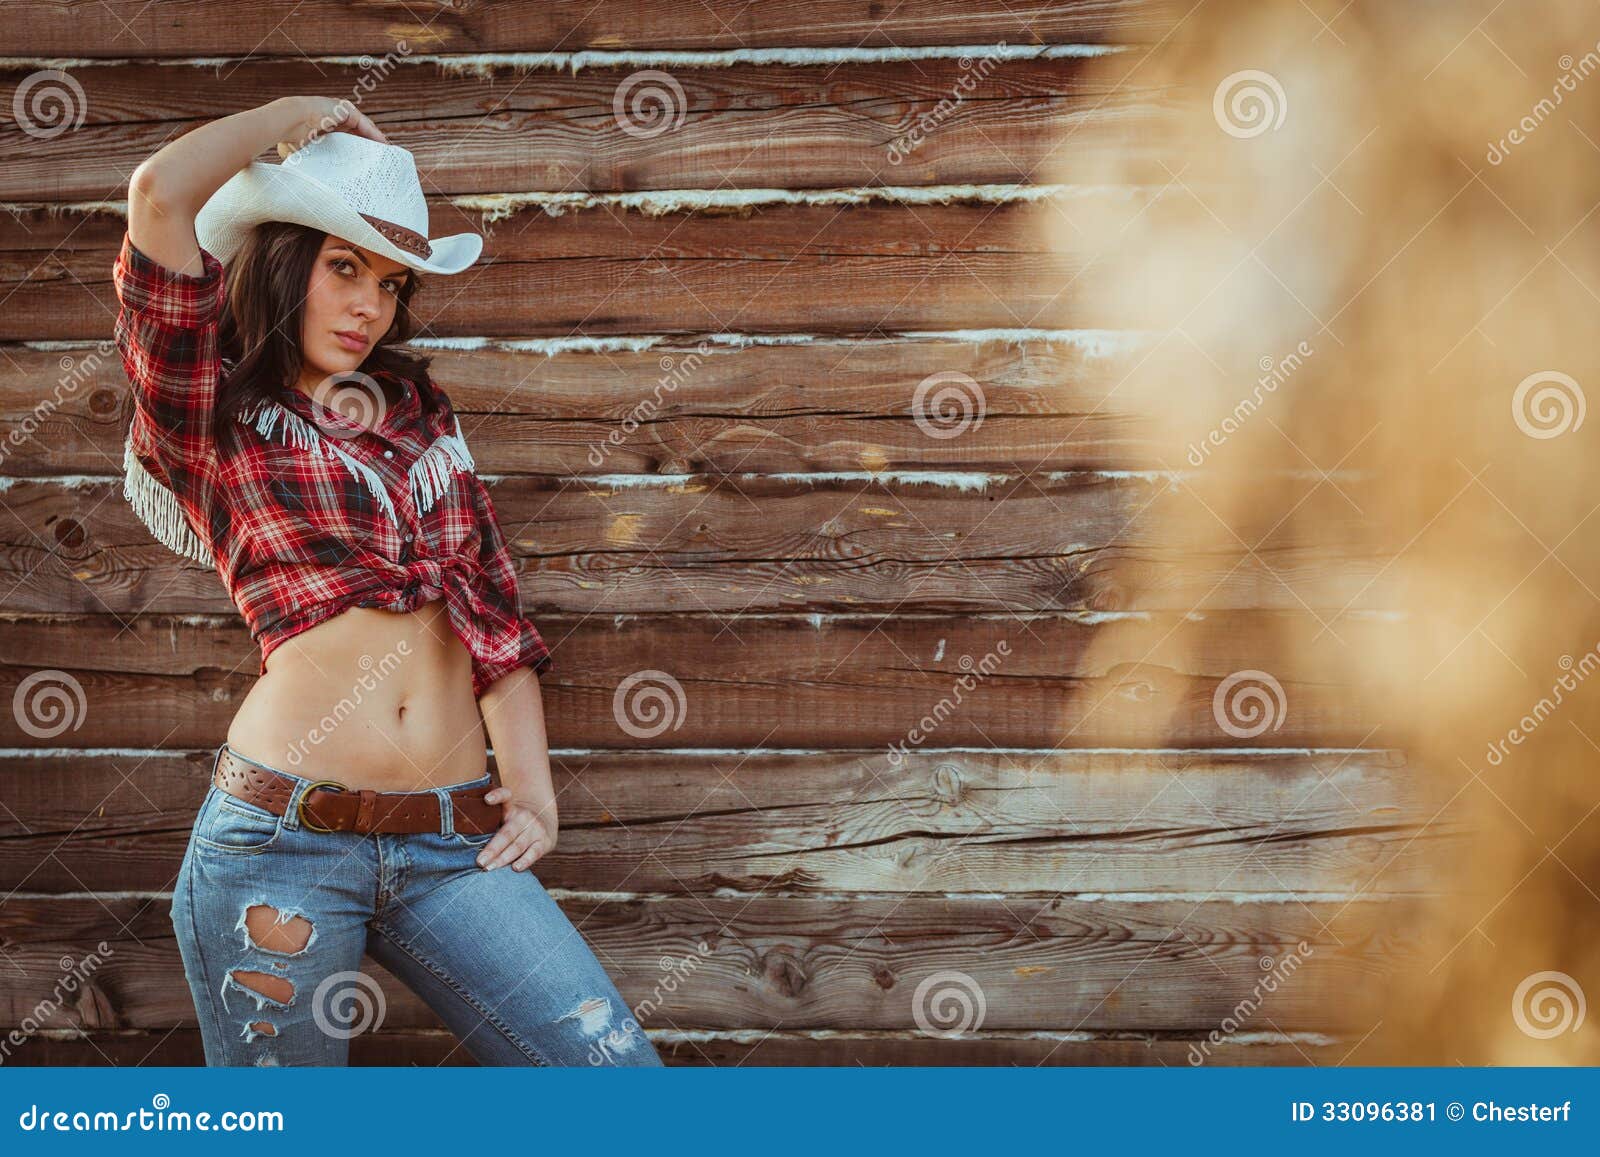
<point>280,436</point>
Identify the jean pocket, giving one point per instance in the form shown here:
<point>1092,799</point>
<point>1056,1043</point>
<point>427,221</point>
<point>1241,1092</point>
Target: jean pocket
<point>472,840</point>
<point>229,825</point>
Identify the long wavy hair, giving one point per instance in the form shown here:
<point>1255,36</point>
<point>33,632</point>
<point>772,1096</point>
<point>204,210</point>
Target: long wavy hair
<point>259,332</point>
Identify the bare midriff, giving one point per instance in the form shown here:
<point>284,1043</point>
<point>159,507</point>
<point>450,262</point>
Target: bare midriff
<point>370,698</point>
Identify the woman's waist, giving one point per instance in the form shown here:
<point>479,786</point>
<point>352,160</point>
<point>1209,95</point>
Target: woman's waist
<point>383,695</point>
<point>414,757</point>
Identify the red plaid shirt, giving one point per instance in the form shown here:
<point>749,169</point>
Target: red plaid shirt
<point>314,513</point>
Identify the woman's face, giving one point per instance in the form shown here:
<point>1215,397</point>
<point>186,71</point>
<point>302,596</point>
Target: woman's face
<point>352,291</point>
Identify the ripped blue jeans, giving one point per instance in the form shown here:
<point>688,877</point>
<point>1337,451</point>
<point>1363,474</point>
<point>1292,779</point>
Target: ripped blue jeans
<point>272,919</point>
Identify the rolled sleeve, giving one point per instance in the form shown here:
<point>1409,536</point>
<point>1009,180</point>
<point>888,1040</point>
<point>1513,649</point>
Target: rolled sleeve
<point>518,638</point>
<point>530,652</point>
<point>167,297</point>
<point>166,332</point>
<point>167,335</point>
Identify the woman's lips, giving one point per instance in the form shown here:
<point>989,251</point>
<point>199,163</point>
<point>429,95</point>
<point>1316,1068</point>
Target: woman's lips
<point>350,341</point>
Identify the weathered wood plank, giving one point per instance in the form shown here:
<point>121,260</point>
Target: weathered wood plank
<point>801,963</point>
<point>868,269</point>
<point>1052,402</point>
<point>212,27</point>
<point>758,680</point>
<point>479,128</point>
<point>828,822</point>
<point>742,543</point>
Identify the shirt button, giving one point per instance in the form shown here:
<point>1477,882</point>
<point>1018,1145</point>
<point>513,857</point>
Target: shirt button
<point>407,538</point>
<point>388,453</point>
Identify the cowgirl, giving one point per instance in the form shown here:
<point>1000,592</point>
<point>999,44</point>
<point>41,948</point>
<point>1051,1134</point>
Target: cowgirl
<point>281,437</point>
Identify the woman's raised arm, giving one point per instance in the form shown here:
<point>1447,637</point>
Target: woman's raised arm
<point>168,189</point>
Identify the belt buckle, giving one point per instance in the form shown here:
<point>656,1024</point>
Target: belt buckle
<point>300,809</point>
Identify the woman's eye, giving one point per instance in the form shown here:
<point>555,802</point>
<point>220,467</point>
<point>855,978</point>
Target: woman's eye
<point>342,263</point>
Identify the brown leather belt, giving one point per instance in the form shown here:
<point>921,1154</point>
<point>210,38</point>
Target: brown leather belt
<point>330,806</point>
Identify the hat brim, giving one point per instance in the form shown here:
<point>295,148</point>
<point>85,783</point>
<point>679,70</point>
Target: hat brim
<point>262,192</point>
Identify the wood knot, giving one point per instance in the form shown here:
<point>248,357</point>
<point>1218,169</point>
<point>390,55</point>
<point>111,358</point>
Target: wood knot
<point>69,533</point>
<point>947,784</point>
<point>1107,598</point>
<point>784,973</point>
<point>95,1008</point>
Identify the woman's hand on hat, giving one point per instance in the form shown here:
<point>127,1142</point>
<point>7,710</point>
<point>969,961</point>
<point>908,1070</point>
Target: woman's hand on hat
<point>326,115</point>
<point>526,833</point>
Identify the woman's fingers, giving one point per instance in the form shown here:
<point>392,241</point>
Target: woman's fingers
<point>339,116</point>
<point>519,853</point>
<point>362,124</point>
<point>496,848</point>
<point>353,120</point>
<point>529,841</point>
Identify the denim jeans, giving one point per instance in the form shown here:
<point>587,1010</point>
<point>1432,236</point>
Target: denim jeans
<point>272,919</point>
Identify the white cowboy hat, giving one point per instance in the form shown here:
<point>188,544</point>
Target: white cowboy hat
<point>348,185</point>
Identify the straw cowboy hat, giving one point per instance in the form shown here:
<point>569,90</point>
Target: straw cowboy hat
<point>348,185</point>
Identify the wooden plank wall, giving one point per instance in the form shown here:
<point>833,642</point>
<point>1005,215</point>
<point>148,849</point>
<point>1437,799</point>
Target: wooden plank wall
<point>780,535</point>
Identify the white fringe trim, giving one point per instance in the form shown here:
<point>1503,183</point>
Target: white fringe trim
<point>303,434</point>
<point>158,508</point>
<point>430,474</point>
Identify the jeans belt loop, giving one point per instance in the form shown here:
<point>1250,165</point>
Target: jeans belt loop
<point>364,813</point>
<point>447,811</point>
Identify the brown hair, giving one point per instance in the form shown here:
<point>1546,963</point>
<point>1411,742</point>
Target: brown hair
<point>259,333</point>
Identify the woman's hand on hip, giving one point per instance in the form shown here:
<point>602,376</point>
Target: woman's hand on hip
<point>527,832</point>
